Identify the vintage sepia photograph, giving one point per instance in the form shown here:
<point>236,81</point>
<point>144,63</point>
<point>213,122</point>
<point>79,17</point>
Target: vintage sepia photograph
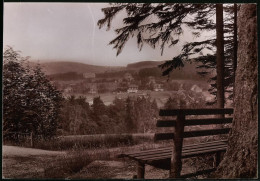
<point>129,91</point>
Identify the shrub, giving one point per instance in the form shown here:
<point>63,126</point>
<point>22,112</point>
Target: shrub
<point>30,102</point>
<point>64,166</point>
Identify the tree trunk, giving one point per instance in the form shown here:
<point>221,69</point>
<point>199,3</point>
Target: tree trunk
<point>240,161</point>
<point>220,56</point>
<point>235,39</point>
<point>235,47</point>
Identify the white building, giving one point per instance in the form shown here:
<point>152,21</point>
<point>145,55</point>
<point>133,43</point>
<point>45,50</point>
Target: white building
<point>196,88</point>
<point>158,87</point>
<point>87,75</point>
<point>132,89</point>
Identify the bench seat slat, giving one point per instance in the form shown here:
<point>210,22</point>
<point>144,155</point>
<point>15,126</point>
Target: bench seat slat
<point>184,153</point>
<point>169,149</point>
<point>187,152</point>
<point>144,152</point>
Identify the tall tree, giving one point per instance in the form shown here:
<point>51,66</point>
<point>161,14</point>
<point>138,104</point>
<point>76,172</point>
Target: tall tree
<point>98,106</point>
<point>15,79</point>
<point>235,44</point>
<point>130,116</point>
<point>220,56</point>
<point>240,161</point>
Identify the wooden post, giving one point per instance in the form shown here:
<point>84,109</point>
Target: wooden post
<point>176,164</point>
<point>31,138</point>
<point>140,170</point>
<point>217,159</point>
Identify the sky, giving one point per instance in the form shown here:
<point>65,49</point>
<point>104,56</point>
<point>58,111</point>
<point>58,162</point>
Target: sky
<point>69,32</point>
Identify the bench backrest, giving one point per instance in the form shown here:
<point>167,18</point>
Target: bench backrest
<point>180,122</point>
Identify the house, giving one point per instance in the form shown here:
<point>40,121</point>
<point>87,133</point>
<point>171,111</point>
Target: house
<point>196,88</point>
<point>151,80</point>
<point>128,77</point>
<point>88,75</point>
<point>132,88</point>
<point>93,89</point>
<point>143,95</point>
<point>68,90</point>
<point>158,87</point>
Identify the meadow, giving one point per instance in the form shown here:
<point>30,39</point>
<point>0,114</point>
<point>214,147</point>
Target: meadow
<point>91,156</point>
<point>79,151</point>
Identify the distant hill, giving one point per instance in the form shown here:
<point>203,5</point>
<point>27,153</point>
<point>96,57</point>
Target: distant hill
<point>189,71</point>
<point>64,67</point>
<point>144,64</point>
<point>61,67</point>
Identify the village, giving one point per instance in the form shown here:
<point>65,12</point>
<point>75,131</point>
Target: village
<point>130,84</point>
<point>90,84</point>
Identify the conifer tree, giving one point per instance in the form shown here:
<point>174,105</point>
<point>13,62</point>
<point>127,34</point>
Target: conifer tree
<point>130,117</point>
<point>166,30</point>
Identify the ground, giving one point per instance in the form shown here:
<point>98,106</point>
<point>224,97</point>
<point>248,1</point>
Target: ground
<point>19,162</point>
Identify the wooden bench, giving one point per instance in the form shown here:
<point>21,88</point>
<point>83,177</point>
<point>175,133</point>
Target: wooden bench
<point>169,157</point>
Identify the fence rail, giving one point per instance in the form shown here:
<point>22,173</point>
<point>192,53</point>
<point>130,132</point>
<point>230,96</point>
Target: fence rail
<point>18,137</point>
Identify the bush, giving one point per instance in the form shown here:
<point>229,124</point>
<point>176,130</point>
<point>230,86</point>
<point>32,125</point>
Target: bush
<point>30,102</point>
<point>64,166</point>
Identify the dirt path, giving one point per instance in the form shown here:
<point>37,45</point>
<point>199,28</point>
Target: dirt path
<point>20,162</point>
<point>117,169</point>
<point>10,151</point>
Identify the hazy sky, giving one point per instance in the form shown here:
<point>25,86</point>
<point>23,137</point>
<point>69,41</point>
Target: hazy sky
<point>69,32</point>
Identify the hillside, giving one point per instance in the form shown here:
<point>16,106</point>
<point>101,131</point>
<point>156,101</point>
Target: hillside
<point>189,71</point>
<point>61,67</point>
<point>144,64</point>
<point>64,67</point>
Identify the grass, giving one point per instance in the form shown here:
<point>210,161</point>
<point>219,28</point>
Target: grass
<point>84,149</point>
<point>68,165</point>
<point>93,141</point>
<point>75,163</point>
<point>64,166</point>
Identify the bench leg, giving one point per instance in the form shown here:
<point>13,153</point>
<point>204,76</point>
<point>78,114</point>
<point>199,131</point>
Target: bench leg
<point>217,159</point>
<point>140,170</point>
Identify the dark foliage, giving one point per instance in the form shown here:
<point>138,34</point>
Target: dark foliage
<point>30,102</point>
<point>123,115</point>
